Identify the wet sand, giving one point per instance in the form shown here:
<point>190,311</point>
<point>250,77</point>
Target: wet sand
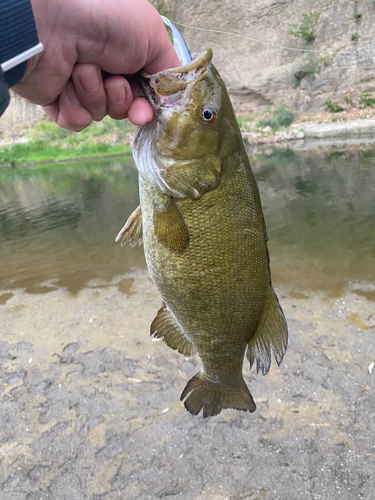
<point>90,405</point>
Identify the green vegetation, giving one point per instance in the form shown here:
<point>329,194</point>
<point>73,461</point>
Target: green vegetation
<point>327,59</point>
<point>357,15</point>
<point>46,141</point>
<point>339,118</point>
<point>245,122</point>
<point>160,7</point>
<point>282,117</point>
<point>297,79</point>
<point>354,37</point>
<point>51,181</point>
<point>367,100</point>
<point>312,65</point>
<point>334,155</point>
<point>333,107</point>
<point>107,131</point>
<point>306,28</point>
<point>306,31</point>
<point>40,151</point>
<point>308,70</point>
<point>350,101</point>
<point>280,156</point>
<point>266,122</point>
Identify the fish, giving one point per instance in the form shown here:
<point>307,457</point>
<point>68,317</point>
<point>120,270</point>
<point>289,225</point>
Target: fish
<point>202,226</point>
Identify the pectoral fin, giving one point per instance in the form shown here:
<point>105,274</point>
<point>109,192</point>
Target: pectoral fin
<point>132,231</point>
<point>165,327</point>
<point>169,225</point>
<point>272,334</point>
<point>193,178</point>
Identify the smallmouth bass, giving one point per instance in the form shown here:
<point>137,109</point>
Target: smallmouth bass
<point>202,226</point>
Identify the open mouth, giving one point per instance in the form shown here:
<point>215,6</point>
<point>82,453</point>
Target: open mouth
<point>172,85</point>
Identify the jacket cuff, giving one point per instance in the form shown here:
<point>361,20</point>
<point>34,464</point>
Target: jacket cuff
<point>18,38</point>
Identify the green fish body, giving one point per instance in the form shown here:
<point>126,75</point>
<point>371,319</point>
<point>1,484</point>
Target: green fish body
<point>204,236</point>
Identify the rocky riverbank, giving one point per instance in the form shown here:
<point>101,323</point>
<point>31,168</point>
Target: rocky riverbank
<point>104,420</point>
<point>337,36</point>
<point>356,130</point>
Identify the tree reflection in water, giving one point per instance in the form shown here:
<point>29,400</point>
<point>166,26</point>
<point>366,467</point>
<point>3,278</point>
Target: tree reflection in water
<point>58,222</point>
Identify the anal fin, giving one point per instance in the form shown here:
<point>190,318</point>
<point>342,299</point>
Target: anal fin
<point>271,335</point>
<point>132,231</point>
<point>165,327</point>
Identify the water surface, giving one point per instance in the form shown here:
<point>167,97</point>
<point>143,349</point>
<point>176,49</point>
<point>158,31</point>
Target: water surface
<point>58,222</point>
<point>320,213</point>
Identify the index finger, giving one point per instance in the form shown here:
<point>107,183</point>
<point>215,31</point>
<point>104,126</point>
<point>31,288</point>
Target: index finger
<point>165,57</point>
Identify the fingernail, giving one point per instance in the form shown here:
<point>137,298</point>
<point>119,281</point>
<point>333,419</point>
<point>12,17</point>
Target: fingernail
<point>117,95</point>
<point>90,81</point>
<point>72,96</point>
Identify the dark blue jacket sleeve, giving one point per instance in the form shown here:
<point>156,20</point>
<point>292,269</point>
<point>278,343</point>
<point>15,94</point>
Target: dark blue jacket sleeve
<point>4,94</point>
<point>17,35</point>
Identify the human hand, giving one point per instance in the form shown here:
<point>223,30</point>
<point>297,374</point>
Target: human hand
<point>83,37</point>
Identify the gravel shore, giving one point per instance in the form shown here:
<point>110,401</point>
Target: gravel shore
<point>90,405</point>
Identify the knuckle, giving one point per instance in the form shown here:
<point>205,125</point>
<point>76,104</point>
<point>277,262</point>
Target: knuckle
<point>74,122</point>
<point>117,114</point>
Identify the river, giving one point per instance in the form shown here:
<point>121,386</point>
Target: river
<point>58,222</point>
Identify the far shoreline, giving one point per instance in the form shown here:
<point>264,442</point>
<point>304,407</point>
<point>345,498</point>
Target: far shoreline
<point>67,160</point>
<point>308,131</point>
<point>361,130</point>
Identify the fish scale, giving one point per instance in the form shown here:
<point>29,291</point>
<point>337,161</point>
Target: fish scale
<point>204,236</point>
<point>217,246</point>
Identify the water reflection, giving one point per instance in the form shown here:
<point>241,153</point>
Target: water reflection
<point>58,222</point>
<point>320,213</point>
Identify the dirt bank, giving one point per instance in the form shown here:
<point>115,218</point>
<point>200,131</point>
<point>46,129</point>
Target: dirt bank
<point>90,406</point>
<point>310,127</point>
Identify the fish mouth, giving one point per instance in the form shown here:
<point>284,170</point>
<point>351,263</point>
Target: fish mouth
<point>167,87</point>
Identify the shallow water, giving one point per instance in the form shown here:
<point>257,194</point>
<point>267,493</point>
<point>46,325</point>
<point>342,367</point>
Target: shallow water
<point>320,213</point>
<point>58,222</point>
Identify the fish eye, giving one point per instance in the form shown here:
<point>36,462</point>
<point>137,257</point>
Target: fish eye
<point>208,114</point>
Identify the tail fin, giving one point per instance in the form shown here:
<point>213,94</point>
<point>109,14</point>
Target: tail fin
<point>213,397</point>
